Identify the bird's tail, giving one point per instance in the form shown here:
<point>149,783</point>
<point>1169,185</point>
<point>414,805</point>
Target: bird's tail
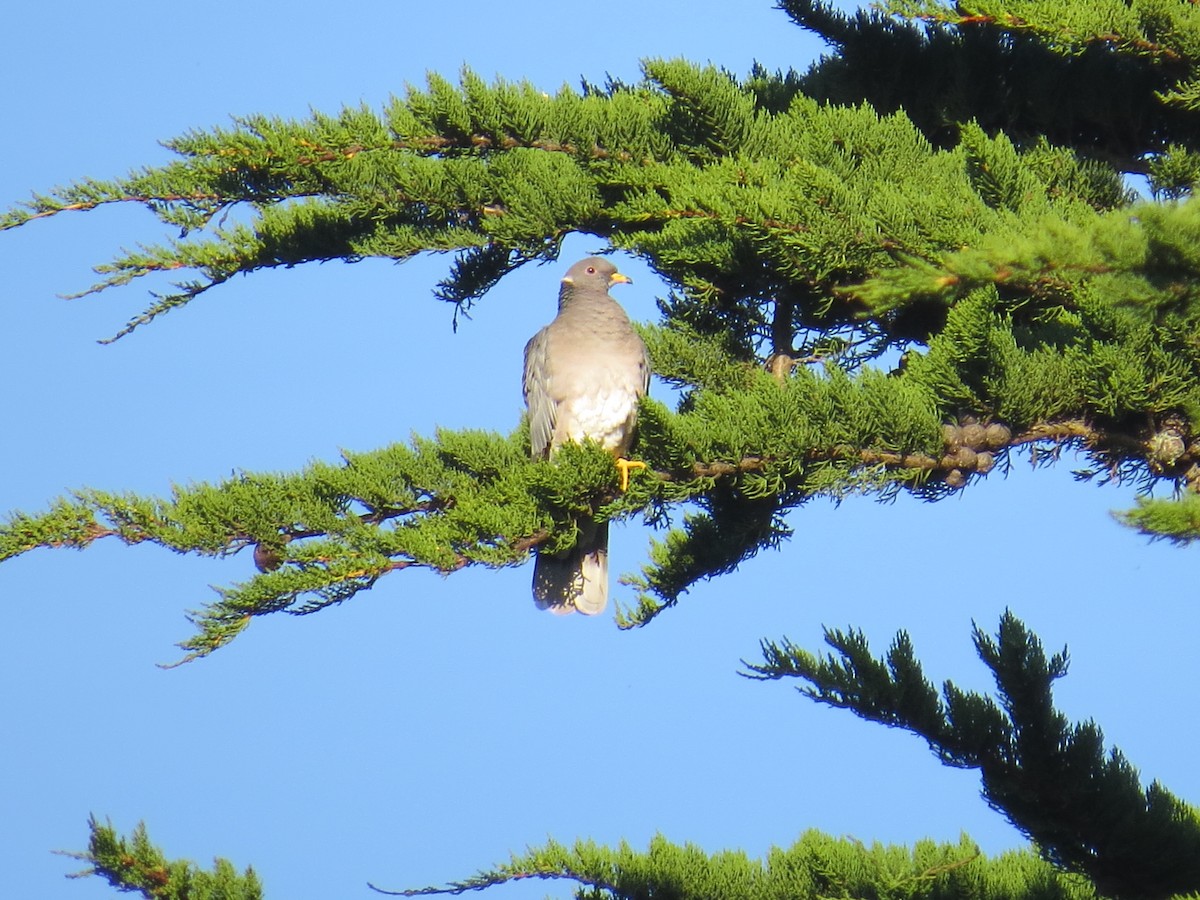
<point>576,579</point>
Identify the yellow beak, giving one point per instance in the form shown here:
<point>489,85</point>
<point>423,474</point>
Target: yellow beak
<point>618,278</point>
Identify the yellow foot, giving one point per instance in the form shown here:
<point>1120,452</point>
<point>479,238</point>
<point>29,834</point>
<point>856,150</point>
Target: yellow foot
<point>625,465</point>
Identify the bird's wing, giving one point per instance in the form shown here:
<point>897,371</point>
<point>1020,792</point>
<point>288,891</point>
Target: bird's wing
<point>542,408</point>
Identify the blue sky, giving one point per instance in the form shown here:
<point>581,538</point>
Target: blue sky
<point>432,725</point>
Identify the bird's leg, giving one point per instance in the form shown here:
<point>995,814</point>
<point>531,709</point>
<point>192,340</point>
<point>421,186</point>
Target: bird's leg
<point>624,465</point>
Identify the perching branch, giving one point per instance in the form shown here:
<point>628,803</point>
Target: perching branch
<point>1027,301</point>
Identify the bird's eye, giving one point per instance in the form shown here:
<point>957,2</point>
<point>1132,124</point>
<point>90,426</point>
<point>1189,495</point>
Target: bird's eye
<point>591,270</point>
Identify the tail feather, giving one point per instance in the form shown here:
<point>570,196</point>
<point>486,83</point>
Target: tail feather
<point>576,579</point>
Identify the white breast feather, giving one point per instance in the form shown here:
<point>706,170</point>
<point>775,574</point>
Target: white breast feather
<point>604,416</point>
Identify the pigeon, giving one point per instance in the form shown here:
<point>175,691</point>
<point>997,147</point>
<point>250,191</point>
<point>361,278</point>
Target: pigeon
<point>584,375</point>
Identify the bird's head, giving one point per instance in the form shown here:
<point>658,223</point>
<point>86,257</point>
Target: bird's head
<point>593,274</point>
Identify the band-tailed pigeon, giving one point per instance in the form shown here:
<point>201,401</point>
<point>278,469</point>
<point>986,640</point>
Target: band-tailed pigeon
<point>584,373</point>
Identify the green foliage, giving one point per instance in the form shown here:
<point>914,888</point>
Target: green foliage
<point>816,866</point>
<point>319,536</point>
<point>135,865</point>
<point>1177,519</point>
<point>1083,807</point>
<point>466,498</point>
<point>1021,285</point>
<point>1014,273</point>
<point>1113,79</point>
<point>1061,319</point>
<point>1174,172</point>
<point>736,201</point>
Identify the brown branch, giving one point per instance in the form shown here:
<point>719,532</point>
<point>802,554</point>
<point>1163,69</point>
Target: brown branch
<point>977,457</point>
<point>775,224</point>
<point>1082,431</point>
<point>437,143</point>
<point>493,879</point>
<point>933,871</point>
<point>1016,23</point>
<point>526,544</point>
<point>132,198</point>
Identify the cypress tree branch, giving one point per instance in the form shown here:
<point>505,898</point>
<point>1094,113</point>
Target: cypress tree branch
<point>508,171</point>
<point>1084,808</point>
<point>135,865</point>
<point>320,536</point>
<point>815,866</point>
<point>1028,296</point>
<point>1123,75</point>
